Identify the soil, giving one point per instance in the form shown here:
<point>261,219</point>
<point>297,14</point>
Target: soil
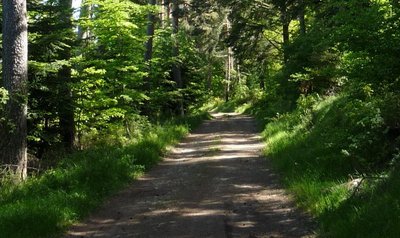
<point>215,183</point>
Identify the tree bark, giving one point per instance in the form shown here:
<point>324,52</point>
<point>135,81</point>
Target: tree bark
<point>285,37</point>
<point>66,106</point>
<point>13,131</point>
<point>228,64</point>
<point>209,76</point>
<point>176,67</point>
<point>66,110</point>
<point>150,33</point>
<point>228,73</point>
<point>285,20</point>
<point>302,19</point>
<point>263,70</point>
<point>177,74</point>
<point>148,55</point>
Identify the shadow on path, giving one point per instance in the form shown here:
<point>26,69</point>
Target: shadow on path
<point>213,184</point>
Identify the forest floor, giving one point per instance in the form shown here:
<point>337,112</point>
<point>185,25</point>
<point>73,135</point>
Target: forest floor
<point>215,183</point>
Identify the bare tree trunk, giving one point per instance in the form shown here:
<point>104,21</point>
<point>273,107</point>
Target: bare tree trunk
<point>263,70</point>
<point>176,68</point>
<point>66,110</point>
<point>165,13</point>
<point>229,65</point>
<point>13,131</point>
<point>148,55</point>
<point>262,82</point>
<point>150,32</point>
<point>66,106</point>
<point>285,20</point>
<point>209,76</point>
<point>302,19</point>
<point>228,73</point>
<point>285,35</point>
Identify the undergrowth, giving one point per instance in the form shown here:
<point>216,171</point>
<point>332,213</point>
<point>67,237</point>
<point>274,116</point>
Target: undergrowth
<point>45,205</point>
<point>338,157</point>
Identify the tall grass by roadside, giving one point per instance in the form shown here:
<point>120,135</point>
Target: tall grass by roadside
<point>46,205</point>
<point>338,159</point>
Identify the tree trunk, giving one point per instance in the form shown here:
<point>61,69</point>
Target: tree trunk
<point>177,74</point>
<point>150,33</point>
<point>285,19</point>
<point>263,70</point>
<point>13,132</point>
<point>148,55</point>
<point>176,68</point>
<point>228,64</point>
<point>285,36</point>
<point>228,74</point>
<point>66,106</point>
<point>302,20</point>
<point>262,82</point>
<point>66,109</point>
<point>165,13</point>
<point>209,76</point>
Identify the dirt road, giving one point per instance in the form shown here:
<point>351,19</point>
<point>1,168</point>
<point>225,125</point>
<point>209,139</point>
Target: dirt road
<point>213,184</point>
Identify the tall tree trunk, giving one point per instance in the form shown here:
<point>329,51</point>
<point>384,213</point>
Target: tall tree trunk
<point>285,36</point>
<point>148,55</point>
<point>66,106</point>
<point>209,76</point>
<point>262,82</point>
<point>285,20</point>
<point>264,71</point>
<point>13,132</point>
<point>66,109</point>
<point>302,19</point>
<point>228,63</point>
<point>176,68</point>
<point>165,13</point>
<point>228,73</point>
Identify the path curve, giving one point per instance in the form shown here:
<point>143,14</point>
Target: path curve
<point>213,184</point>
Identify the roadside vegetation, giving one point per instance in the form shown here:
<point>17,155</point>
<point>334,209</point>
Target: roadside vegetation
<point>50,201</point>
<point>337,156</point>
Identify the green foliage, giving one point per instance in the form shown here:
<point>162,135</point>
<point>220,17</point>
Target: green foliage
<point>322,146</point>
<point>51,39</point>
<point>3,101</point>
<point>374,213</point>
<point>108,69</point>
<point>3,96</point>
<point>46,204</point>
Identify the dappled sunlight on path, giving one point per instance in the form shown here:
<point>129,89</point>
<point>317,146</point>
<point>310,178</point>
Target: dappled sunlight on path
<point>213,184</point>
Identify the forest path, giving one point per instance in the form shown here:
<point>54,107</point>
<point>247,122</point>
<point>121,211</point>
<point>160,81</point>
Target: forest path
<point>213,184</point>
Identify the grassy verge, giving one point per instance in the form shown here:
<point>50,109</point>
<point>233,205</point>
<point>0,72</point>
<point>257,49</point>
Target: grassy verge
<point>45,205</point>
<point>339,161</point>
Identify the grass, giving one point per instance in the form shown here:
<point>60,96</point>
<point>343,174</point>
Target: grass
<point>319,148</point>
<point>46,205</point>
